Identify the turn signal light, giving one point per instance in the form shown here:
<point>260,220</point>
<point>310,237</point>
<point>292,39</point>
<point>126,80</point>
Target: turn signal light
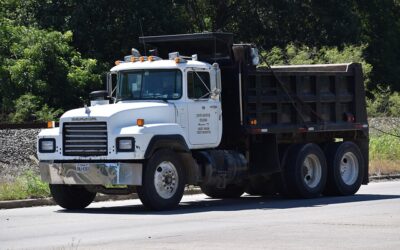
<point>133,59</point>
<point>150,58</point>
<point>50,124</point>
<point>140,122</point>
<point>141,59</point>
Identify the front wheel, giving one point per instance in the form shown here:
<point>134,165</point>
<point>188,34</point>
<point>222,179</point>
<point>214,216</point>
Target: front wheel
<point>71,196</point>
<point>163,181</point>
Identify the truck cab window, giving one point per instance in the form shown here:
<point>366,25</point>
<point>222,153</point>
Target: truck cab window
<point>198,84</point>
<point>150,84</point>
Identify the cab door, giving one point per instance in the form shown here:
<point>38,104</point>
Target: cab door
<point>204,113</point>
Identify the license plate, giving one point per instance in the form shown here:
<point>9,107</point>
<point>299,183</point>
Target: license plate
<point>82,167</point>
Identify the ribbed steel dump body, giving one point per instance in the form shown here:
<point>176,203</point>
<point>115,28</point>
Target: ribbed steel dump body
<point>85,138</point>
<point>288,97</point>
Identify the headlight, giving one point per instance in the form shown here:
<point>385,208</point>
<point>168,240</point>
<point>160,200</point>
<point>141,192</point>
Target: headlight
<point>47,145</point>
<point>125,144</point>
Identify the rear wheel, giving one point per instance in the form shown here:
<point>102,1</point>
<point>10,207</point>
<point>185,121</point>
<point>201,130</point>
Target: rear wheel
<point>163,181</point>
<point>71,196</point>
<point>230,191</point>
<point>345,169</point>
<point>305,171</point>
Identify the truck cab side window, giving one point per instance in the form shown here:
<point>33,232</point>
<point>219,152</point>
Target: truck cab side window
<point>198,85</point>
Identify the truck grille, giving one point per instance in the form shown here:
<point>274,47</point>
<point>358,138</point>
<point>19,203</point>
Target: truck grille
<point>85,138</point>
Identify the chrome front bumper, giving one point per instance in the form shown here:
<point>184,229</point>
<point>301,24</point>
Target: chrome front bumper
<point>91,173</point>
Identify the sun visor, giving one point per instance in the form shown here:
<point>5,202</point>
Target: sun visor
<point>209,46</point>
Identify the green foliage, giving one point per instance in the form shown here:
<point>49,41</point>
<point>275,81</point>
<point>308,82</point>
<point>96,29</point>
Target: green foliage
<point>302,54</point>
<point>106,31</point>
<point>383,102</point>
<point>29,107</point>
<point>26,186</point>
<point>47,114</point>
<point>394,104</point>
<point>41,67</point>
<point>25,107</point>
<point>13,190</point>
<point>384,153</point>
<point>384,147</point>
<point>34,185</point>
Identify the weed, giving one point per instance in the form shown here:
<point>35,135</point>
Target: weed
<point>13,190</point>
<point>35,187</point>
<point>384,154</point>
<point>28,185</point>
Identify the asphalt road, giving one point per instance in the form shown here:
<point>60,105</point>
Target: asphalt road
<point>368,220</point>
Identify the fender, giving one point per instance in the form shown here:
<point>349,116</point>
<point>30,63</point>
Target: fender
<point>174,141</point>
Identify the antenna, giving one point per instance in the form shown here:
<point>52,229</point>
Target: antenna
<point>144,42</point>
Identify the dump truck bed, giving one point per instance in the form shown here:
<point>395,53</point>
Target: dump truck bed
<point>302,98</point>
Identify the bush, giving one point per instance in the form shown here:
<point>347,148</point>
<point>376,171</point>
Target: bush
<point>28,185</point>
<point>34,185</point>
<point>47,114</point>
<point>301,54</point>
<point>27,108</point>
<point>383,103</point>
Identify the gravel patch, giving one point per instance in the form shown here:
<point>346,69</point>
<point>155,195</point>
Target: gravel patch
<point>387,124</point>
<point>17,153</point>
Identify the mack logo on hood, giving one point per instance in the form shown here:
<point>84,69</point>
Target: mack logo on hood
<point>84,119</point>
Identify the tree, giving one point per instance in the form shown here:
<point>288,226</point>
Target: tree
<point>108,31</point>
<point>45,65</point>
<point>381,30</point>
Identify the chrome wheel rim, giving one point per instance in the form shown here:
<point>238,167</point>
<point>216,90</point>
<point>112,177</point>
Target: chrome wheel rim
<point>312,171</point>
<point>166,179</point>
<point>349,168</point>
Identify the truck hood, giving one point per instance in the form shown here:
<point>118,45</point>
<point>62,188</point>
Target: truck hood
<point>124,113</point>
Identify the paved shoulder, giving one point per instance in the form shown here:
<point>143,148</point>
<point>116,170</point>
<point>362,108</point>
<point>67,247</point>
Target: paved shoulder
<point>370,219</point>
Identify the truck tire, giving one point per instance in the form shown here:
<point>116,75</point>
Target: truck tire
<point>163,181</point>
<point>305,171</point>
<point>345,168</point>
<point>71,196</point>
<point>230,191</point>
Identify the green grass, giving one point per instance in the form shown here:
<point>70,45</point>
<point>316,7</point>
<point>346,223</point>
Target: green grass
<point>26,186</point>
<point>384,154</point>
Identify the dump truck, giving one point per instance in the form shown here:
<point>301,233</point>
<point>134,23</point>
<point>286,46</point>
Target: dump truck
<point>198,109</point>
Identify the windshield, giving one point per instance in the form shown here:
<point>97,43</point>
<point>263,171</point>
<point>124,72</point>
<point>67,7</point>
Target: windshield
<point>150,84</point>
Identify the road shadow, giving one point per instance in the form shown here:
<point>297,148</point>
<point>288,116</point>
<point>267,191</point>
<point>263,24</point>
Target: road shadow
<point>245,202</point>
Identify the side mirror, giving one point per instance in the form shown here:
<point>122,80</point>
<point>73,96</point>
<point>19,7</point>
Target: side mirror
<point>214,94</point>
<point>111,83</point>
